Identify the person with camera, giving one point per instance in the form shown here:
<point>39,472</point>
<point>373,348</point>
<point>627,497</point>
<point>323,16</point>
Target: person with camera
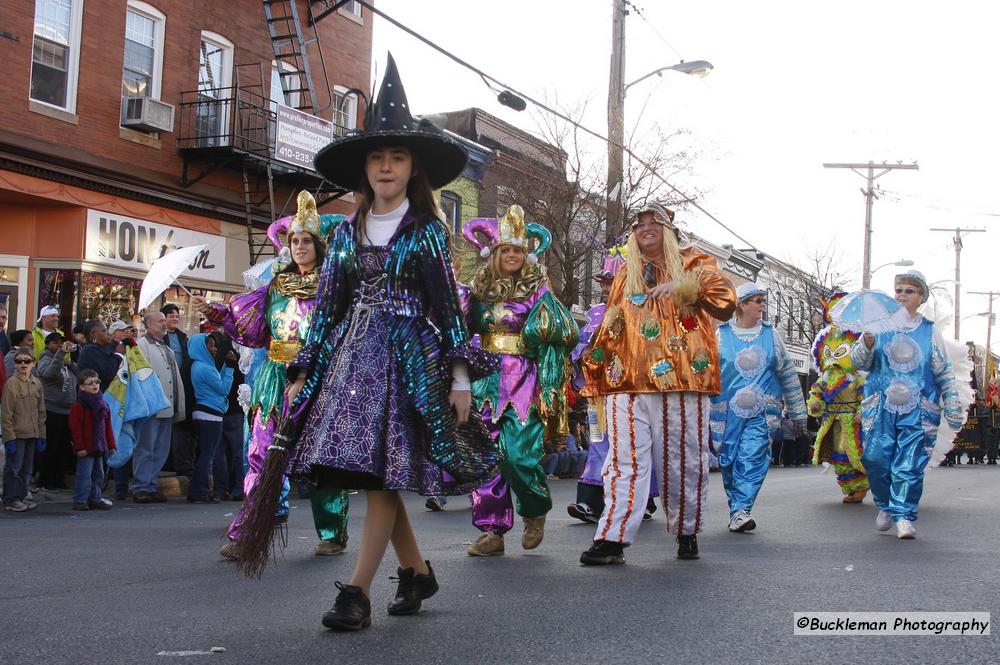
<point>58,377</point>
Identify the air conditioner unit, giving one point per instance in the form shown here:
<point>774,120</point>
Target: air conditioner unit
<point>148,115</point>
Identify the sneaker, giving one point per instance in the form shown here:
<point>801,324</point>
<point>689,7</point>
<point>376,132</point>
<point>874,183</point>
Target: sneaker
<point>351,611</point>
<point>100,504</point>
<point>905,530</point>
<point>30,503</point>
<point>534,531</point>
<point>121,496</point>
<point>741,522</point>
<point>582,512</point>
<point>157,497</point>
<point>687,547</point>
<point>603,553</point>
<point>142,497</point>
<point>412,590</point>
<point>16,507</point>
<point>488,544</point>
<point>80,505</point>
<point>191,499</point>
<point>647,516</point>
<point>883,520</point>
<point>328,548</point>
<point>434,504</point>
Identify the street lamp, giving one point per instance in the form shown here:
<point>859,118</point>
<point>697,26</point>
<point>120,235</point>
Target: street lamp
<point>903,263</point>
<point>616,129</point>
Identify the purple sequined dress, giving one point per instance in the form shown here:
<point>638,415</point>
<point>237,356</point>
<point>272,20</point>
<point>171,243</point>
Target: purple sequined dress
<point>362,431</point>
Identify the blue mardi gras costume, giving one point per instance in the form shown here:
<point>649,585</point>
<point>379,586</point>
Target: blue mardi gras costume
<point>757,376</point>
<point>909,376</point>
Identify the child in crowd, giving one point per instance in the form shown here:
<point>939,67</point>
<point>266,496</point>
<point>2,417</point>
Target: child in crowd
<point>93,438</point>
<point>23,413</point>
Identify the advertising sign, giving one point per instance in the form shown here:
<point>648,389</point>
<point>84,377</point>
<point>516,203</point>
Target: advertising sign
<point>299,136</point>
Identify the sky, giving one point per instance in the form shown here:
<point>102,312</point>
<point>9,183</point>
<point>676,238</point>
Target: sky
<point>795,85</point>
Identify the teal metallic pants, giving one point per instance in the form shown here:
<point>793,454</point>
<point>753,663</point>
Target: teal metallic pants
<point>521,471</point>
<point>329,510</point>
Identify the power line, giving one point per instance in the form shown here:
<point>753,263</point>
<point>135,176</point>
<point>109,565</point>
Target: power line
<point>554,112</point>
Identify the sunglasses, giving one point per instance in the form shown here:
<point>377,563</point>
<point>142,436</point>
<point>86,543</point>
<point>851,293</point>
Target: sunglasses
<point>22,361</point>
<point>759,301</point>
<point>92,382</point>
<point>908,292</point>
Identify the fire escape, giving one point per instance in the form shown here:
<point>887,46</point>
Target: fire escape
<point>235,127</point>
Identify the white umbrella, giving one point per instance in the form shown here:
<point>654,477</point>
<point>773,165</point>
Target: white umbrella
<point>165,271</point>
<point>867,311</point>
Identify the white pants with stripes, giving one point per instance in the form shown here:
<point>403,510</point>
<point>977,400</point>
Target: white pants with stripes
<point>663,433</point>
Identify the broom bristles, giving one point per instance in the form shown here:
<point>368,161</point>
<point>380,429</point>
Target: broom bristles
<point>255,541</point>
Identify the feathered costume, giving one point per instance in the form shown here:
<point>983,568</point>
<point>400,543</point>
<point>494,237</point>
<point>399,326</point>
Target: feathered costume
<point>522,321</point>
<point>835,399</point>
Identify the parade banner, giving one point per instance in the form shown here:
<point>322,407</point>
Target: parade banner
<point>127,242</point>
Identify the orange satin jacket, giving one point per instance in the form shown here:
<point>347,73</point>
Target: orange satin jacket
<point>645,345</point>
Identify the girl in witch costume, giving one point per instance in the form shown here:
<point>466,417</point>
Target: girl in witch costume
<point>377,387</point>
<point>910,384</point>
<point>520,319</point>
<point>277,317</point>
<point>835,398</point>
<point>757,376</point>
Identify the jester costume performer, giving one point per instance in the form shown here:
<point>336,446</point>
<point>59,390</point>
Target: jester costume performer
<point>654,362</point>
<point>590,486</point>
<point>910,378</point>
<point>758,376</point>
<point>277,317</point>
<point>835,399</point>
<point>520,319</point>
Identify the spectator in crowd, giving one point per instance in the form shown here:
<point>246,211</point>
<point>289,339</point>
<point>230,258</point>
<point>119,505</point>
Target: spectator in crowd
<point>79,340</point>
<point>211,388</point>
<point>19,340</point>
<point>227,469</point>
<point>48,319</point>
<point>93,438</point>
<point>58,378</point>
<point>119,332</point>
<point>183,442</point>
<point>99,353</point>
<point>22,411</point>
<point>577,455</point>
<point>4,342</point>
<point>153,446</point>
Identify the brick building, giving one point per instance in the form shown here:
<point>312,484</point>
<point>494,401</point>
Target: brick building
<point>128,125</point>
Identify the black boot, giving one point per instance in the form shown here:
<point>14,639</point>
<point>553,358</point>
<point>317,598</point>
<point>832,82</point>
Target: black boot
<point>351,611</point>
<point>687,547</point>
<point>412,589</point>
<point>603,553</point>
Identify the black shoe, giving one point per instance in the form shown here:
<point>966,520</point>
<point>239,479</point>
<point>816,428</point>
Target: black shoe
<point>603,553</point>
<point>582,512</point>
<point>191,499</point>
<point>142,497</point>
<point>157,497</point>
<point>412,589</point>
<point>687,547</point>
<point>351,611</point>
<point>121,496</point>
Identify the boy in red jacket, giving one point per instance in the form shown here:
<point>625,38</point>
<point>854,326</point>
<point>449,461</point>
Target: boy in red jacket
<point>90,424</point>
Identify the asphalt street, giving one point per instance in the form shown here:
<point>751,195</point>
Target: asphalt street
<point>140,580</point>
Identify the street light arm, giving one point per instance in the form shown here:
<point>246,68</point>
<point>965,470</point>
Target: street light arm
<point>699,68</point>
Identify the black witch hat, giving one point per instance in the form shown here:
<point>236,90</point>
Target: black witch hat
<point>388,123</point>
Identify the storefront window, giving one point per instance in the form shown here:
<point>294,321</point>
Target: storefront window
<point>59,288</point>
<point>108,298</point>
<point>190,318</point>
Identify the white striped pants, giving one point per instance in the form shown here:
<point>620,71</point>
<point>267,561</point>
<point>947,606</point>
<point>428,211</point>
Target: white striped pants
<point>663,433</point>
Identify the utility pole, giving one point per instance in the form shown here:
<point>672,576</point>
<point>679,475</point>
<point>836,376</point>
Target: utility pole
<point>958,270</point>
<point>869,193</point>
<point>616,124</point>
<point>989,333</point>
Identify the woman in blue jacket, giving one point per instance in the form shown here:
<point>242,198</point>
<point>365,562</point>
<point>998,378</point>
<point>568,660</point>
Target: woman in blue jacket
<point>211,391</point>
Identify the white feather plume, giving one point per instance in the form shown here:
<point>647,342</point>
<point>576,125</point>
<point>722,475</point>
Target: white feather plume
<point>962,367</point>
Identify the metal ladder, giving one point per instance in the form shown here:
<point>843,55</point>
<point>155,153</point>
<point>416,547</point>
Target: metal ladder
<point>289,45</point>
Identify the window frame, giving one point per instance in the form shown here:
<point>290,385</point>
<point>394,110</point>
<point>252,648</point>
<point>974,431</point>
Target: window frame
<point>72,66</point>
<point>453,197</point>
<point>159,20</point>
<point>223,86</point>
<point>352,115</point>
